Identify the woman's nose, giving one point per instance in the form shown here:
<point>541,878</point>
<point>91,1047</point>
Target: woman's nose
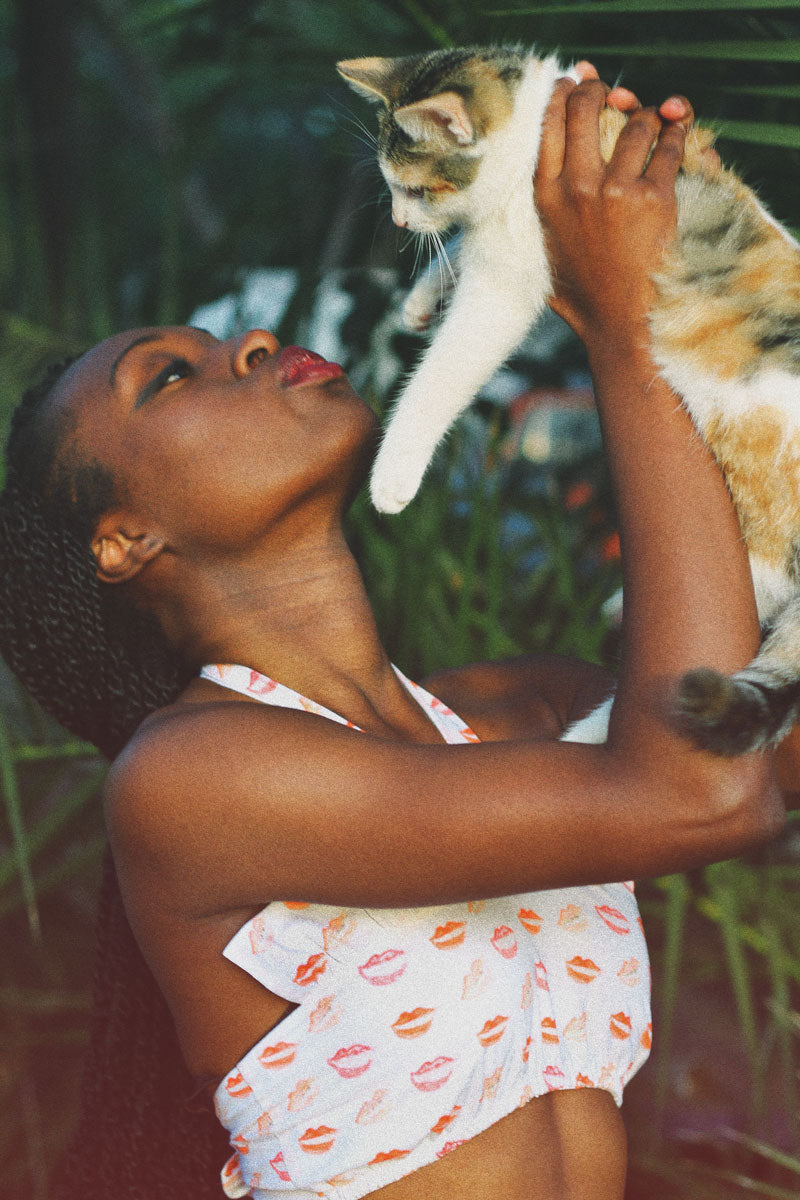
<point>251,348</point>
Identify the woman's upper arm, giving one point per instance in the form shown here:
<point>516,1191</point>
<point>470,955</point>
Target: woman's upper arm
<point>234,805</point>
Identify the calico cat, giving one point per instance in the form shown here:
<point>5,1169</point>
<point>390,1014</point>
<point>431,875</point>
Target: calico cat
<point>459,134</point>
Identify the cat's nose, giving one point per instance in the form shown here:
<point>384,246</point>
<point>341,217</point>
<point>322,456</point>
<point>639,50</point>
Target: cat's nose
<point>251,348</point>
<point>399,217</point>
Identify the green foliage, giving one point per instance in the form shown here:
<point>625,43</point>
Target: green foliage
<point>152,150</point>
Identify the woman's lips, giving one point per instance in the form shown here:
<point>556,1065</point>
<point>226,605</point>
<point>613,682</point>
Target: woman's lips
<point>296,366</point>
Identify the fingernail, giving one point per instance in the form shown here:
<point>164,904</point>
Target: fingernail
<point>588,70</point>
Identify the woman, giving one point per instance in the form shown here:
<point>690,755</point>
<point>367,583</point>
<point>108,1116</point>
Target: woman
<point>229,548</point>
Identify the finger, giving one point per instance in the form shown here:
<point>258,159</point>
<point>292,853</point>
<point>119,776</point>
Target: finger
<point>622,99</point>
<point>677,108</point>
<point>551,151</point>
<point>633,145</point>
<point>582,151</point>
<point>586,70</point>
<point>664,165</point>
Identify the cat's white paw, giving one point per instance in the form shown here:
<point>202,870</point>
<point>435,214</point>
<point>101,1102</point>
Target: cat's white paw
<point>419,310</point>
<point>395,481</point>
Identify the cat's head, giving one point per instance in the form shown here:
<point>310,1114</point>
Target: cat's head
<point>438,113</point>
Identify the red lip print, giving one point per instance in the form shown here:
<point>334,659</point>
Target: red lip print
<point>413,1024</point>
<point>241,1143</point>
<point>583,1081</point>
<point>620,1026</point>
<point>232,1176</point>
<point>351,1061</point>
<point>549,1031</point>
<point>526,1049</point>
<point>260,685</point>
<point>448,1146</point>
<point>530,920</point>
<point>279,1055</point>
<point>554,1078</point>
<point>439,707</point>
<point>433,1075</point>
<point>387,1156</point>
<point>310,971</point>
<point>325,1015</point>
<point>278,1166</point>
<point>504,941</point>
<point>469,735</point>
<point>646,1040</point>
<point>235,1085</point>
<point>296,903</point>
<point>541,976</point>
<point>616,921</point>
<point>492,1031</point>
<point>583,970</point>
<point>385,968</point>
<point>446,1120</point>
<point>445,937</point>
<point>317,1141</point>
<point>338,931</point>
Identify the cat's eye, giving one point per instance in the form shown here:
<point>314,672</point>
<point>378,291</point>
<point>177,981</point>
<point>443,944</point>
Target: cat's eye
<point>415,193</point>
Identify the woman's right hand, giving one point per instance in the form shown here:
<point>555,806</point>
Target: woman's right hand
<point>607,225</point>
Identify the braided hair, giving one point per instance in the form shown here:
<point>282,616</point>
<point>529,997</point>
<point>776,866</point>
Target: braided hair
<point>99,665</point>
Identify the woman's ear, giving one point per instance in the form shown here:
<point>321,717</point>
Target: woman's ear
<point>121,550</point>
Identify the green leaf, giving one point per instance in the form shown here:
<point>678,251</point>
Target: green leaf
<point>625,8</point>
<point>764,133</point>
<point>783,50</point>
<point>20,856</point>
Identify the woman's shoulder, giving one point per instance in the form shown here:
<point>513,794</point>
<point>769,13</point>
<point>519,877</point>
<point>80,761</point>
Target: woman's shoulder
<point>531,696</point>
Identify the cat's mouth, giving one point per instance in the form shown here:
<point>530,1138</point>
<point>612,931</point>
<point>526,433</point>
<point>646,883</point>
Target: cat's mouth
<point>297,366</point>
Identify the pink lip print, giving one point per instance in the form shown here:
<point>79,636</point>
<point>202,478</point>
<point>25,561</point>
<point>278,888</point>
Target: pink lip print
<point>260,684</point>
<point>351,1061</point>
<point>277,1164</point>
<point>541,976</point>
<point>504,941</point>
<point>448,1146</point>
<point>374,1109</point>
<point>325,1015</point>
<point>384,968</point>
<point>433,1075</point>
<point>554,1078</point>
<point>629,972</point>
<point>241,1143</point>
<point>616,921</point>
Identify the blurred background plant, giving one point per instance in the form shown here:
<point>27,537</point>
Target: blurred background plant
<point>163,158</point>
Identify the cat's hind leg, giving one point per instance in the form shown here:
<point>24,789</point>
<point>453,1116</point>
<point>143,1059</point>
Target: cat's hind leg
<point>752,709</point>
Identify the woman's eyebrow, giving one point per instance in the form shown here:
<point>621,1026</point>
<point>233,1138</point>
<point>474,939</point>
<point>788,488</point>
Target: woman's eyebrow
<point>146,337</point>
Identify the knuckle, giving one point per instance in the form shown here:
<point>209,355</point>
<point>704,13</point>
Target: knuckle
<point>613,191</point>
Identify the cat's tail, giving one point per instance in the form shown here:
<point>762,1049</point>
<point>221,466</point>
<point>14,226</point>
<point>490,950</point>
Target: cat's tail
<point>752,709</point>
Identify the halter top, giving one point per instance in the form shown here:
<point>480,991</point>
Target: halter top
<point>417,1028</point>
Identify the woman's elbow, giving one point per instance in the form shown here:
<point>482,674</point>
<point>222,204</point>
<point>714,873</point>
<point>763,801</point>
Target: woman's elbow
<point>744,803</point>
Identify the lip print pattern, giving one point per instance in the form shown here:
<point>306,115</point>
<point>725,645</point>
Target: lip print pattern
<point>616,921</point>
<point>317,1141</point>
<point>383,969</point>
<point>325,1015</point>
<point>476,980</point>
<point>549,1030</point>
<point>433,1075</point>
<point>261,939</point>
<point>387,1156</point>
<point>646,1040</point>
<point>235,1085</point>
<point>447,937</point>
<point>526,1049</point>
<point>541,976</point>
<point>310,971</point>
<point>620,1026</point>
<point>492,1031</point>
<point>571,917</point>
<point>241,1143</point>
<point>351,1061</point>
<point>575,1029</point>
<point>527,991</point>
<point>413,1024</point>
<point>476,906</point>
<point>338,931</point>
<point>260,685</point>
<point>530,920</point>
<point>374,1109</point>
<point>302,1095</point>
<point>583,1081</point>
<point>629,973</point>
<point>490,1084</point>
<point>554,1078</point>
<point>279,1055</point>
<point>448,1147</point>
<point>446,1119</point>
<point>582,970</point>
<point>504,941</point>
<point>278,1165</point>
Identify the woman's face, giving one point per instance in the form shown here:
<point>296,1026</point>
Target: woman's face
<point>215,441</point>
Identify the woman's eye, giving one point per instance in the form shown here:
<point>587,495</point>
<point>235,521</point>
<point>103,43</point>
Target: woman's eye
<point>177,369</point>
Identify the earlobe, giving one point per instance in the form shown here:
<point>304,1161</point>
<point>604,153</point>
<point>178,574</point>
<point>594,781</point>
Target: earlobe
<point>120,554</point>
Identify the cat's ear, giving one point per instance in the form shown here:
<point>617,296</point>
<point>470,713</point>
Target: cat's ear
<point>373,78</point>
<point>442,119</point>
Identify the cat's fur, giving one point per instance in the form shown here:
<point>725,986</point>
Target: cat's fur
<point>459,134</point>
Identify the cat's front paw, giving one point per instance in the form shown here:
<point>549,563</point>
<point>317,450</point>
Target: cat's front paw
<point>395,481</point>
<point>419,310</point>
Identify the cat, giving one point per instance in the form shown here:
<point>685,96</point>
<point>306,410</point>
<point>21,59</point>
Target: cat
<point>458,139</point>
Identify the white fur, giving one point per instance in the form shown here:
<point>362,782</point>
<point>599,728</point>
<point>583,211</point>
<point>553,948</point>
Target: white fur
<point>503,285</point>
